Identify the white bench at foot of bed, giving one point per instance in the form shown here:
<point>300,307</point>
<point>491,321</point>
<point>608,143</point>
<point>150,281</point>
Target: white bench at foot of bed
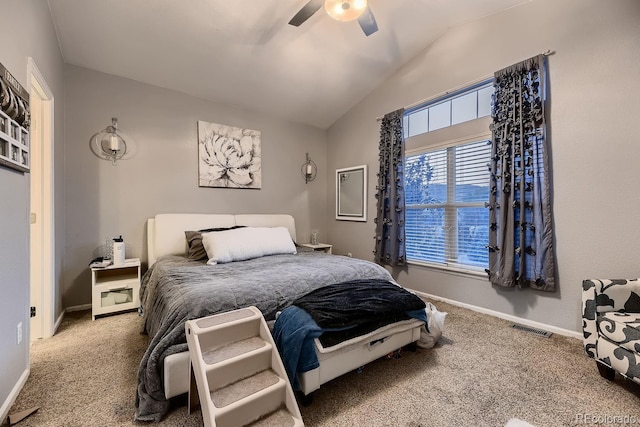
<point>334,362</point>
<point>359,351</point>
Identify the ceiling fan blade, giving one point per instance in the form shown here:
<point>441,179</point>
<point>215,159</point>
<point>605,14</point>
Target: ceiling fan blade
<point>368,22</point>
<point>306,12</point>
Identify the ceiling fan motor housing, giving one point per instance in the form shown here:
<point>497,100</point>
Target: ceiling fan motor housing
<point>340,10</point>
<point>345,10</point>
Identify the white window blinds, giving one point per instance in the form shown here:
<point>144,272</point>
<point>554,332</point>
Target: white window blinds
<point>446,218</point>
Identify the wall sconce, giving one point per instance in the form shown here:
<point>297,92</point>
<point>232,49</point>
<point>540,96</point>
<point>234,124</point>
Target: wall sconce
<point>309,170</point>
<point>108,144</point>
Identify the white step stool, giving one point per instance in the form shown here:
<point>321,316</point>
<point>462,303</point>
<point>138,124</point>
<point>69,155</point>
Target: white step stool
<point>238,372</point>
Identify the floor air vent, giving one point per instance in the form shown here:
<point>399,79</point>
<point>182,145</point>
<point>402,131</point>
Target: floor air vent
<point>535,331</point>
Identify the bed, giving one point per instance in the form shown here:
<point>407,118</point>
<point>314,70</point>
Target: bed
<point>176,288</point>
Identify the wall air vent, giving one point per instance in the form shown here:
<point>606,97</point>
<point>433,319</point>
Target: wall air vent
<point>535,331</point>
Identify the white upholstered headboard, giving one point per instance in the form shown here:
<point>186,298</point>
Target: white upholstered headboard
<point>165,232</point>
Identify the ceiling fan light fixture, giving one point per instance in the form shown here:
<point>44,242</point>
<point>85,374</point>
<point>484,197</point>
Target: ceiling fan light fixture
<point>345,10</point>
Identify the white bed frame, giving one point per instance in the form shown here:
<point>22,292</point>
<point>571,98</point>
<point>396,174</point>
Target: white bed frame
<point>165,236</point>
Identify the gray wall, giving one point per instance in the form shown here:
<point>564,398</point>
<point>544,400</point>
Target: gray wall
<point>593,126</point>
<point>595,147</point>
<point>105,200</point>
<point>26,31</point>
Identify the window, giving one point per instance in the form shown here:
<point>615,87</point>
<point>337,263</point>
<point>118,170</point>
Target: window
<point>446,187</point>
<point>457,107</point>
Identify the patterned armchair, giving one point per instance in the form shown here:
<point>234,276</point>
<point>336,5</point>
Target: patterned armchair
<point>611,326</point>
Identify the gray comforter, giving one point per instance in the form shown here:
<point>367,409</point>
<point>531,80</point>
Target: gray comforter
<point>176,289</point>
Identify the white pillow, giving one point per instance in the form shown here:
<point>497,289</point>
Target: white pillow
<point>246,243</point>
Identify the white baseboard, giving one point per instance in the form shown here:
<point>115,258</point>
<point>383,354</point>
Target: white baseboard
<point>78,308</point>
<point>58,321</point>
<point>6,406</point>
<point>69,310</point>
<point>509,317</point>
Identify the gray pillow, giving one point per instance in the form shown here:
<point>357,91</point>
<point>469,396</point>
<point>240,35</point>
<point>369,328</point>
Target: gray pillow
<point>194,242</point>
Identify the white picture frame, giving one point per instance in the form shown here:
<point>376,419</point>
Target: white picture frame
<point>351,193</point>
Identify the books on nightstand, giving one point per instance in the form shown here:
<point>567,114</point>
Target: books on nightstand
<point>100,264</point>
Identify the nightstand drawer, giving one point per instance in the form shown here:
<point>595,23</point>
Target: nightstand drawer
<point>116,297</point>
<point>112,299</point>
<point>115,288</point>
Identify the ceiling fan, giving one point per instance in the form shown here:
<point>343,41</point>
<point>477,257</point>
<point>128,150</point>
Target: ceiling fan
<point>340,10</point>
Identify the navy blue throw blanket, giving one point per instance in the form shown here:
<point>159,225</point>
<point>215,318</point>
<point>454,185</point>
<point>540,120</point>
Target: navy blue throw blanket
<point>357,301</point>
<point>340,311</point>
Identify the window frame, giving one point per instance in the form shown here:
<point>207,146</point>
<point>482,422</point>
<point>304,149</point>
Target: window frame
<point>466,132</point>
<point>445,98</point>
<point>451,204</point>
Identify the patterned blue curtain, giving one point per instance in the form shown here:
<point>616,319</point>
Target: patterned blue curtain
<point>390,240</point>
<point>521,234</point>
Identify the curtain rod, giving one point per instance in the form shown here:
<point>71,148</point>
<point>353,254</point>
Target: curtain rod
<point>548,52</point>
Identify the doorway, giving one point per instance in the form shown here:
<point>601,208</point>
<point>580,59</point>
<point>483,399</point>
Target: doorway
<point>42,251</point>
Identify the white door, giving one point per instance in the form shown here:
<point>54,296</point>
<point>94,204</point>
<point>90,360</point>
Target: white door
<point>36,261</point>
<point>42,250</point>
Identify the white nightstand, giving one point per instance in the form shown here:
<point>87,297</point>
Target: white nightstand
<point>320,247</point>
<point>115,288</point>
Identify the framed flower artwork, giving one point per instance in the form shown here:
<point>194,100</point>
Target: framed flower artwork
<point>228,156</point>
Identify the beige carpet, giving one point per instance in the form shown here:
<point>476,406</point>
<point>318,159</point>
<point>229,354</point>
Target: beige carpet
<point>482,373</point>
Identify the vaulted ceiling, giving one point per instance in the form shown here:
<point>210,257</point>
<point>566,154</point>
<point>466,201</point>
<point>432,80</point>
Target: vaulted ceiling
<point>244,53</point>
